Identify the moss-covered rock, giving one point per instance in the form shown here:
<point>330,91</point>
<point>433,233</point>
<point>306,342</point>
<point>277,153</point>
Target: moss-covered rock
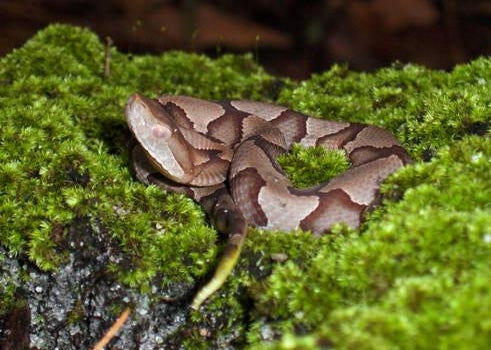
<point>80,238</point>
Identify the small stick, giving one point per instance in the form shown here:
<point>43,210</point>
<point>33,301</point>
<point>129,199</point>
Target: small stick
<point>111,332</point>
<point>107,57</point>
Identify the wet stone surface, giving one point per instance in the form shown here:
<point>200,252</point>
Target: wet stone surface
<point>14,320</point>
<point>73,307</point>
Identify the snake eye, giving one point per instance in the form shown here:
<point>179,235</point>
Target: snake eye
<point>161,131</point>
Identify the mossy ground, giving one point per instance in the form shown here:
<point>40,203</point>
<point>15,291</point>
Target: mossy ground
<point>415,275</point>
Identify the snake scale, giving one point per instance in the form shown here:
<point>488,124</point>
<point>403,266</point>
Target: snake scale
<point>223,155</point>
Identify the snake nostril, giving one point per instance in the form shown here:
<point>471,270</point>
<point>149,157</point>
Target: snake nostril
<point>133,99</point>
<point>130,99</point>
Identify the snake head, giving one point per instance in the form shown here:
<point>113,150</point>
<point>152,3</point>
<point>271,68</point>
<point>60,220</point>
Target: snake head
<point>160,137</point>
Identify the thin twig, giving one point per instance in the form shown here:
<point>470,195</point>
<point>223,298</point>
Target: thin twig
<point>111,332</point>
<point>107,57</point>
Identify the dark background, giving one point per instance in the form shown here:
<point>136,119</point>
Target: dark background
<point>290,38</point>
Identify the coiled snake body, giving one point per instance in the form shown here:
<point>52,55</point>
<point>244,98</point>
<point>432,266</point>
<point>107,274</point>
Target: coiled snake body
<point>223,155</point>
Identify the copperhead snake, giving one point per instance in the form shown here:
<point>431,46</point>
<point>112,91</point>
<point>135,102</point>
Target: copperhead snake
<point>223,155</point>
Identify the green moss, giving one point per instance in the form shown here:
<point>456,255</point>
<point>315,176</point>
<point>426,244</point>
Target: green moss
<point>417,271</point>
<point>415,275</point>
<point>308,166</point>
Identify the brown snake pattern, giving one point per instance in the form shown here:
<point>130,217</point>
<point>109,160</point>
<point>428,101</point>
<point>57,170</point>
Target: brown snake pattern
<point>223,155</point>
